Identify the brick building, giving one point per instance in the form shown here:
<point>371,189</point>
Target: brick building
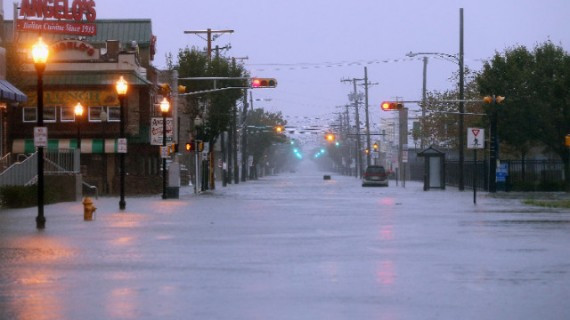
<point>84,69</point>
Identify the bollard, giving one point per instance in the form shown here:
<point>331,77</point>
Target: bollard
<point>88,209</point>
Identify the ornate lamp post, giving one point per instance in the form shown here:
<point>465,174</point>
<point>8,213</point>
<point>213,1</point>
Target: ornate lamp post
<point>164,107</point>
<point>40,53</point>
<point>122,87</point>
<point>78,114</point>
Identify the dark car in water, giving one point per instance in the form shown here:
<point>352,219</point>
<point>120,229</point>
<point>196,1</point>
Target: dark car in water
<point>375,176</point>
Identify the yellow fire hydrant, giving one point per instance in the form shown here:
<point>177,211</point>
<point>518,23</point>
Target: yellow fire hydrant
<point>88,209</point>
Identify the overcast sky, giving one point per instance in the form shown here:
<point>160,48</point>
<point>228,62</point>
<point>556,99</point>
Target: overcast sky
<point>310,45</point>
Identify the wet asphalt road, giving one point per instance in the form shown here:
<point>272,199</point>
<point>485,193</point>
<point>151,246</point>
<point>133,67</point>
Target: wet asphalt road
<point>292,246</point>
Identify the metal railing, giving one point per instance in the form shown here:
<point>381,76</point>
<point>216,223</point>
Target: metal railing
<point>5,162</point>
<point>20,173</point>
<point>63,161</point>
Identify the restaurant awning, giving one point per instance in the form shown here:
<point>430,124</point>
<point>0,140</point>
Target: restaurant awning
<point>10,93</point>
<point>87,145</point>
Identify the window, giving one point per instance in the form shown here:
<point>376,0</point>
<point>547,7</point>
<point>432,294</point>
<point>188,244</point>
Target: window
<point>114,114</point>
<point>95,114</point>
<point>67,114</point>
<point>29,114</point>
<point>50,114</point>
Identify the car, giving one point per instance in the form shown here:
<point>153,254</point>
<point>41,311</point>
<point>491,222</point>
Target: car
<point>375,176</point>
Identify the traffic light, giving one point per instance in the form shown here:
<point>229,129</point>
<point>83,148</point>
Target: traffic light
<point>200,146</point>
<point>181,89</point>
<point>375,146</point>
<point>567,140</point>
<point>391,105</point>
<point>164,89</point>
<point>330,137</point>
<point>495,99</point>
<point>190,146</point>
<point>263,83</point>
<point>279,129</point>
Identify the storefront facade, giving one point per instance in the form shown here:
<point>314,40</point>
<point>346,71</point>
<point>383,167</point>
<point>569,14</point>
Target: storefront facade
<point>84,69</point>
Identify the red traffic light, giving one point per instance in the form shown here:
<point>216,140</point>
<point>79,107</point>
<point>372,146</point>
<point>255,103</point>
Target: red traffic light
<point>263,83</point>
<point>391,105</point>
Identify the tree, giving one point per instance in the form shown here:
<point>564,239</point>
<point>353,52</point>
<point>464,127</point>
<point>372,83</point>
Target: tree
<point>216,107</point>
<point>441,122</point>
<point>537,105</point>
<point>261,133</point>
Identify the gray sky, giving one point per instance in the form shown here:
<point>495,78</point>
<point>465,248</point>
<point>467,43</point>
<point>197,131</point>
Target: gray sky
<point>310,45</point>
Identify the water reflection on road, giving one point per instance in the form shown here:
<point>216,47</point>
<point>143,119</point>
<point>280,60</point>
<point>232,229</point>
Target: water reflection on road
<point>292,246</point>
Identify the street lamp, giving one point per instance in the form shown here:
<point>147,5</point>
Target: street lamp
<point>164,106</point>
<point>40,53</point>
<point>78,114</point>
<point>122,87</point>
<point>461,139</point>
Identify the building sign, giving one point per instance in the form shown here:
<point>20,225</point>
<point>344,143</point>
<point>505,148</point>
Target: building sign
<point>66,17</point>
<point>88,98</point>
<point>156,131</point>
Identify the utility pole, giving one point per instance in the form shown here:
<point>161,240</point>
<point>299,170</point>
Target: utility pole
<point>244,138</point>
<point>357,119</point>
<point>349,146</point>
<point>367,121</point>
<point>211,35</point>
<point>461,103</point>
<point>424,105</point>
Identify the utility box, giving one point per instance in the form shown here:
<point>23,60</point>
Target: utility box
<point>173,189</point>
<point>434,168</point>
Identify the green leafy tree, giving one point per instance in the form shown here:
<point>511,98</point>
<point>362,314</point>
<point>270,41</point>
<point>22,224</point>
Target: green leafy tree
<point>441,121</point>
<point>261,132</point>
<point>214,107</point>
<point>537,105</point>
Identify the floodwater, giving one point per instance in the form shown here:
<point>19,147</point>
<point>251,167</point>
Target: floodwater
<point>291,246</point>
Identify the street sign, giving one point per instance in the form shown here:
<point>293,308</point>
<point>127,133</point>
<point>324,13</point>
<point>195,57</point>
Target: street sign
<point>122,145</point>
<point>40,136</point>
<point>163,152</point>
<point>475,138</point>
<point>156,131</point>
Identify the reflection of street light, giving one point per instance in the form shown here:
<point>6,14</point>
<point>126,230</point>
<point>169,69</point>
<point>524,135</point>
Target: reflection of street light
<point>122,88</point>
<point>78,114</point>
<point>459,61</point>
<point>40,53</point>
<point>164,106</point>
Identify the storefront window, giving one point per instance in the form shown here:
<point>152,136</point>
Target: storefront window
<point>67,114</point>
<point>114,114</point>
<point>95,114</point>
<point>29,114</point>
<point>50,114</point>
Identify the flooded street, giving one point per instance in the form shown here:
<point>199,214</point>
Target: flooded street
<point>292,246</point>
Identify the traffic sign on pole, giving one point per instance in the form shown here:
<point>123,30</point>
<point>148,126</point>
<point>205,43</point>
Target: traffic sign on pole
<point>475,138</point>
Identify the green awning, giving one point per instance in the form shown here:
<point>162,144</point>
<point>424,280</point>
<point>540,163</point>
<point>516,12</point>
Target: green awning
<point>87,145</point>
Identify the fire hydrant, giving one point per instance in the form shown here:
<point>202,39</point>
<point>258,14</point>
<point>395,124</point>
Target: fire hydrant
<point>88,209</point>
